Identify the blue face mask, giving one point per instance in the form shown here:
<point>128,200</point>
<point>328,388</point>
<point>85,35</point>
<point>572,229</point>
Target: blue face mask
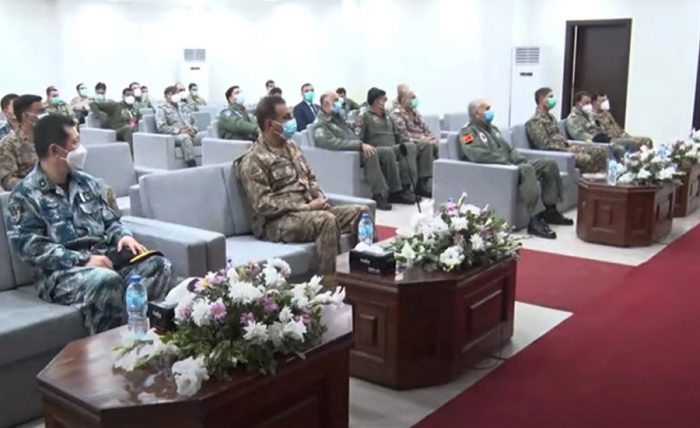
<point>289,128</point>
<point>488,116</point>
<point>337,106</point>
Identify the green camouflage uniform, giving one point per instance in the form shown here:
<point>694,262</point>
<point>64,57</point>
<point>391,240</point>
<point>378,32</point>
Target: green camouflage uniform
<point>236,124</point>
<point>56,231</point>
<point>350,105</point>
<point>60,108</point>
<point>582,127</point>
<point>544,134</point>
<point>279,185</point>
<point>607,123</point>
<point>330,132</point>
<point>381,133</point>
<point>540,181</point>
<point>143,103</point>
<point>17,158</point>
<point>120,117</point>
<point>195,102</point>
<point>170,120</point>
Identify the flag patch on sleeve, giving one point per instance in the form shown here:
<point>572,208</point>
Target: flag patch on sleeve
<point>467,139</point>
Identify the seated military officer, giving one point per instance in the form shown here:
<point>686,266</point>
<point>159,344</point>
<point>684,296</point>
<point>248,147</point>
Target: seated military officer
<point>194,100</point>
<point>234,121</point>
<point>376,128</point>
<point>288,204</point>
<point>141,98</point>
<point>540,183</point>
<point>10,124</point>
<point>17,155</point>
<point>81,103</point>
<point>348,104</point>
<point>59,223</point>
<point>332,133</point>
<point>100,91</point>
<point>54,104</point>
<point>609,126</point>
<point>175,118</point>
<point>123,117</point>
<point>544,134</point>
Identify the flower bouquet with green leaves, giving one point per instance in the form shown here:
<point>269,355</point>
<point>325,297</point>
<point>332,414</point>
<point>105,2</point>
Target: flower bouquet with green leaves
<point>648,167</point>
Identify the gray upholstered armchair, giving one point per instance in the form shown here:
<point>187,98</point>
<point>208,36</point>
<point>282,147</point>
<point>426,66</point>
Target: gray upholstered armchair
<point>154,151</point>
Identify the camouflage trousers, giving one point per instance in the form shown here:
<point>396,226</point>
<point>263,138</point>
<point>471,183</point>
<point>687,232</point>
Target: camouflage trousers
<point>187,144</point>
<point>540,185</point>
<point>382,172</point>
<point>99,293</point>
<point>418,162</point>
<point>590,158</point>
<point>629,144</point>
<point>322,227</point>
<point>126,134</point>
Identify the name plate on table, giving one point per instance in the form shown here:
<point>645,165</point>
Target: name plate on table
<point>161,316</point>
<point>379,264</point>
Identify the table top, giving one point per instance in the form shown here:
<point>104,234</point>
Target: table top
<point>82,373</point>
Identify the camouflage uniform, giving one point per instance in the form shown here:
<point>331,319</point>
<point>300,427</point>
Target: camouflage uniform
<point>56,232</point>
<point>544,134</point>
<point>540,181</point>
<point>194,103</point>
<point>381,133</point>
<point>236,124</point>
<point>330,132</point>
<point>411,126</point>
<point>7,126</point>
<point>280,185</point>
<point>607,123</point>
<point>120,117</point>
<point>143,103</point>
<point>17,158</point>
<point>60,108</point>
<point>170,120</point>
<point>80,107</point>
<point>582,127</point>
<point>350,105</point>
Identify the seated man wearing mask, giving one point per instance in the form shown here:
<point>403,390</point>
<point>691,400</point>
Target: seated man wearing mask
<point>330,132</point>
<point>10,124</point>
<point>141,98</point>
<point>17,154</point>
<point>175,118</point>
<point>81,103</point>
<point>193,99</point>
<point>581,126</point>
<point>59,223</point>
<point>123,117</point>
<point>376,128</point>
<point>55,105</point>
<point>287,203</point>
<point>234,121</point>
<point>306,111</point>
<point>411,126</point>
<point>609,126</point>
<point>544,134</point>
<point>540,182</point>
<point>100,92</point>
<point>348,104</point>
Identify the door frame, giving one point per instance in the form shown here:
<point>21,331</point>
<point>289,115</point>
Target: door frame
<point>571,26</point>
<point>696,110</point>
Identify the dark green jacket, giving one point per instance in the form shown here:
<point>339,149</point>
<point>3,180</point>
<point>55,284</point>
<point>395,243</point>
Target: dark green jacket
<point>236,124</point>
<point>485,144</point>
<point>376,130</point>
<point>332,133</point>
<point>115,115</point>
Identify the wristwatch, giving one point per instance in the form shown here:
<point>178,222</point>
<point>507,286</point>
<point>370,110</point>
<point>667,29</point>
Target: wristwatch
<point>83,258</point>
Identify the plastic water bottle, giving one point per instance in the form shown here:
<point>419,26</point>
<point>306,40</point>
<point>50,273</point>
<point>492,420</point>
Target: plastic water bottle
<point>137,306</point>
<point>612,171</point>
<point>365,229</point>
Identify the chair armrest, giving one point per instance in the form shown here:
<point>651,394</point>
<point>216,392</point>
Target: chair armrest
<point>484,184</point>
<point>443,149</point>
<point>154,151</point>
<point>193,252</point>
<point>140,172</point>
<point>565,161</point>
<point>135,201</point>
<point>337,171</point>
<point>340,200</point>
<point>90,136</point>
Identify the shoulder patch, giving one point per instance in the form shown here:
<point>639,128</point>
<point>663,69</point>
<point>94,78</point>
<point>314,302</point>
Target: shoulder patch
<point>226,113</point>
<point>15,210</point>
<point>468,139</point>
<point>483,137</point>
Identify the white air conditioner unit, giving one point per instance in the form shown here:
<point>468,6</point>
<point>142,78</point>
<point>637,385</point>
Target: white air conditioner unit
<point>526,78</point>
<point>194,69</point>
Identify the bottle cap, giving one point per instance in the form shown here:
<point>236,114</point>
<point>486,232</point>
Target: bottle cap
<point>135,278</point>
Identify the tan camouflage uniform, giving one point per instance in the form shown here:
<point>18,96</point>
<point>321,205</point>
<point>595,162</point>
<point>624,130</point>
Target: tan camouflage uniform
<point>195,102</point>
<point>544,134</point>
<point>580,126</point>
<point>61,108</point>
<point>607,123</point>
<point>17,158</point>
<point>280,185</point>
<point>170,120</point>
<point>411,126</point>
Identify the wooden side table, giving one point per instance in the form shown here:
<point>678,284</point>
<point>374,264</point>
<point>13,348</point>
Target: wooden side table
<point>688,194</point>
<point>624,215</point>
<point>426,328</point>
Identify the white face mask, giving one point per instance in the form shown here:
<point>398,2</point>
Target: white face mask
<point>129,99</point>
<point>240,98</point>
<point>388,106</point>
<point>588,108</point>
<point>76,158</point>
<point>605,105</point>
<point>175,98</point>
<point>137,92</point>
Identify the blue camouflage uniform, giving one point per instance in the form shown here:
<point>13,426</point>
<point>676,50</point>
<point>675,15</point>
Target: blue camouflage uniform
<point>56,233</point>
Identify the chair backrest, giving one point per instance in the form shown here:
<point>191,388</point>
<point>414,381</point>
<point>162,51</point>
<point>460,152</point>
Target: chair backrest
<point>18,272</point>
<point>203,119</point>
<point>91,121</point>
<point>454,148</point>
<point>216,151</point>
<point>310,135</point>
<point>562,129</point>
<point>146,110</point>
<point>113,164</point>
<point>148,124</point>
<point>518,137</point>
<point>433,122</point>
<point>214,129</point>
<point>195,197</point>
<point>301,138</point>
<point>454,122</point>
<point>239,205</point>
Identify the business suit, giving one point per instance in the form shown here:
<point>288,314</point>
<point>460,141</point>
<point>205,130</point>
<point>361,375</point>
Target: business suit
<point>304,115</point>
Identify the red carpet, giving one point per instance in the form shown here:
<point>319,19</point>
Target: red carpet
<point>630,358</point>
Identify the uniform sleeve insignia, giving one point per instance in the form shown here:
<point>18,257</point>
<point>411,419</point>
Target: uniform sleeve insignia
<point>468,139</point>
<point>227,113</point>
<point>15,212</point>
<point>483,137</point>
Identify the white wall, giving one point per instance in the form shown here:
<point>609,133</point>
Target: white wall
<point>663,56</point>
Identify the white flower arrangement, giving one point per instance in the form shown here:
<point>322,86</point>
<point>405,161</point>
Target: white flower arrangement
<point>459,236</point>
<point>684,154</point>
<point>648,167</point>
<point>249,316</point>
